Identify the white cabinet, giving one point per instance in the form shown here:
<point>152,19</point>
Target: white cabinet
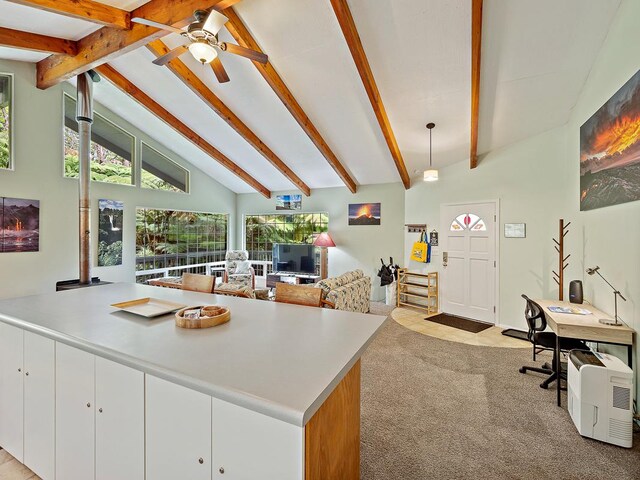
<point>178,432</point>
<point>75,435</point>
<point>11,390</point>
<point>39,405</point>
<point>99,418</point>
<point>119,422</point>
<point>27,398</point>
<point>248,445</point>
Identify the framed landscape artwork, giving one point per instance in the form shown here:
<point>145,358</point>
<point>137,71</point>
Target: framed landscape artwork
<point>110,236</point>
<point>364,214</point>
<point>19,225</point>
<point>610,150</point>
<point>288,202</point>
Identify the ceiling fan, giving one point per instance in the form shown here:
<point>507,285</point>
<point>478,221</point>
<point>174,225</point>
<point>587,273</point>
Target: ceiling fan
<point>203,42</point>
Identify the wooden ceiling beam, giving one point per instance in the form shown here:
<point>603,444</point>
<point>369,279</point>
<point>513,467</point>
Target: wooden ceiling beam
<point>197,86</point>
<point>476,48</point>
<point>350,32</point>
<point>89,10</point>
<point>37,42</point>
<point>108,43</point>
<point>159,111</point>
<point>243,37</point>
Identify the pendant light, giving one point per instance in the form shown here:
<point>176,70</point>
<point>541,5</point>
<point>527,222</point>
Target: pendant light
<point>430,175</point>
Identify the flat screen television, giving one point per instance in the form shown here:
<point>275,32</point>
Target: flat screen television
<point>294,258</point>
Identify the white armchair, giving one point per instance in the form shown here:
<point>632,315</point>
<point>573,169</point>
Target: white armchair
<point>238,270</point>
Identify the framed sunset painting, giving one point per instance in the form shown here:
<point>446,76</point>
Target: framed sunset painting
<point>610,150</point>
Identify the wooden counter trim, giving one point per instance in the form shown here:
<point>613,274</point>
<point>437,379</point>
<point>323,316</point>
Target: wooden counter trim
<point>332,436</point>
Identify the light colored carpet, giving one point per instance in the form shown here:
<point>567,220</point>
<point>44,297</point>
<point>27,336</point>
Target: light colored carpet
<point>434,409</point>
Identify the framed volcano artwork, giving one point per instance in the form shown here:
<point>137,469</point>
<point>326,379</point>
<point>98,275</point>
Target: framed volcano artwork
<point>364,214</point>
<point>19,225</point>
<point>610,150</point>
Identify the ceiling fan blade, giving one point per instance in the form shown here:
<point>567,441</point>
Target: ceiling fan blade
<point>245,52</point>
<point>219,71</point>
<point>170,55</point>
<point>220,6</point>
<point>150,23</point>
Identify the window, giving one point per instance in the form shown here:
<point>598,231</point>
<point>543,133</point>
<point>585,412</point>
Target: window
<point>468,221</point>
<point>262,231</point>
<point>171,238</point>
<point>160,173</point>
<point>5,120</point>
<point>111,148</point>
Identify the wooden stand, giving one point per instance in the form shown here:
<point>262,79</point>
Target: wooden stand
<point>418,290</point>
<point>562,265</point>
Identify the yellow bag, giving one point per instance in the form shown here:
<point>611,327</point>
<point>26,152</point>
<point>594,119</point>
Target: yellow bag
<point>420,249</point>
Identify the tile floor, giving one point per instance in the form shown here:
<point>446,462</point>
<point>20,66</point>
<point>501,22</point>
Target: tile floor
<point>12,469</point>
<point>491,337</point>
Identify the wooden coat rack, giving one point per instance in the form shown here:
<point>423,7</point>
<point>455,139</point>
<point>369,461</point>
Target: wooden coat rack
<point>562,260</point>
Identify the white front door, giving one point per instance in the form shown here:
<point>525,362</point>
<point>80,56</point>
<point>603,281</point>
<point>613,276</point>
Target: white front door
<point>469,260</point>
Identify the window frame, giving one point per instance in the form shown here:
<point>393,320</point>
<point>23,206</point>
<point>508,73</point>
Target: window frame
<point>12,84</point>
<point>293,212</point>
<point>134,153</point>
<point>226,214</point>
<point>187,190</point>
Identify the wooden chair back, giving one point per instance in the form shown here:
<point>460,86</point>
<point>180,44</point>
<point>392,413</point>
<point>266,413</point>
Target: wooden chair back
<point>198,283</point>
<point>298,294</point>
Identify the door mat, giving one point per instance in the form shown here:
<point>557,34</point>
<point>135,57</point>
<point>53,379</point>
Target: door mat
<point>460,323</point>
<point>512,332</point>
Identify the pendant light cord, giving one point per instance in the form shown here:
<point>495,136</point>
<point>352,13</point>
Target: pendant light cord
<point>430,147</point>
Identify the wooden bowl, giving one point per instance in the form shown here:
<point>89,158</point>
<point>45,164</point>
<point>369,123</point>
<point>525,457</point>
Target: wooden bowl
<point>210,316</point>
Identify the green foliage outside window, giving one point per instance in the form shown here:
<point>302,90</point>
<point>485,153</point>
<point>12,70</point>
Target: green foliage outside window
<point>262,231</point>
<point>5,119</point>
<point>170,238</point>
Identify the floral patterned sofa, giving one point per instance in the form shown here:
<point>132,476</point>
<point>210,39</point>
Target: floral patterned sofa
<point>350,291</point>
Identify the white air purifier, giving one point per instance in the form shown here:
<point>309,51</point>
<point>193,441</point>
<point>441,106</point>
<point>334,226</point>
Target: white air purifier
<point>600,397</point>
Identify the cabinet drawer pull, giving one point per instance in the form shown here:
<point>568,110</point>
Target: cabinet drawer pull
<point>27,374</point>
<point>221,470</point>
<point>100,410</point>
<point>19,370</point>
<point>201,460</point>
<point>88,405</point>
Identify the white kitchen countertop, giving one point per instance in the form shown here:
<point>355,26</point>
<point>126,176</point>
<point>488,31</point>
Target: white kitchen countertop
<point>277,359</point>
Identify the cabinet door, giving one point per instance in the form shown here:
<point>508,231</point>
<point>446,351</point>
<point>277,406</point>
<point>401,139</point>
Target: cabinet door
<point>11,390</point>
<point>119,422</point>
<point>39,405</point>
<point>249,445</point>
<point>75,428</point>
<point>178,432</point>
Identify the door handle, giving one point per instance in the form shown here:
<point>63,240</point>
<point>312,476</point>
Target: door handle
<point>445,258</point>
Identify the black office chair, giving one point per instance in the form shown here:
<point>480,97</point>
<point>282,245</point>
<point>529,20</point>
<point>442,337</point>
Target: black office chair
<point>537,323</point>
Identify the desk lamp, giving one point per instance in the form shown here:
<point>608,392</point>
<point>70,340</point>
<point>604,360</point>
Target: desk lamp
<point>616,294</point>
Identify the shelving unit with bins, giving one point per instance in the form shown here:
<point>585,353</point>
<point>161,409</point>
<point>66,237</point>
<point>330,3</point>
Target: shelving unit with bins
<point>418,290</point>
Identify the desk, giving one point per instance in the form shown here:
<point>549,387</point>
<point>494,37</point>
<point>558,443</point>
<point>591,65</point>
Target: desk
<point>584,327</point>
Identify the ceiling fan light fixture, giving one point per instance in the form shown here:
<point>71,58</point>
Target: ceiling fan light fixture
<point>203,52</point>
<point>430,175</point>
<point>214,22</point>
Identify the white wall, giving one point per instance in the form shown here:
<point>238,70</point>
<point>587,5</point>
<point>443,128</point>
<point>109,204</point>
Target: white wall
<point>610,236</point>
<point>537,182</point>
<point>530,179</point>
<point>38,171</point>
<point>356,246</point>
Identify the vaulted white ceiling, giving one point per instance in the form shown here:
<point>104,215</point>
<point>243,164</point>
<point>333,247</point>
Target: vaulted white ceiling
<point>535,58</point>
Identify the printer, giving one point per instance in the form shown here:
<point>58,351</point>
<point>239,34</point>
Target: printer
<point>600,397</point>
